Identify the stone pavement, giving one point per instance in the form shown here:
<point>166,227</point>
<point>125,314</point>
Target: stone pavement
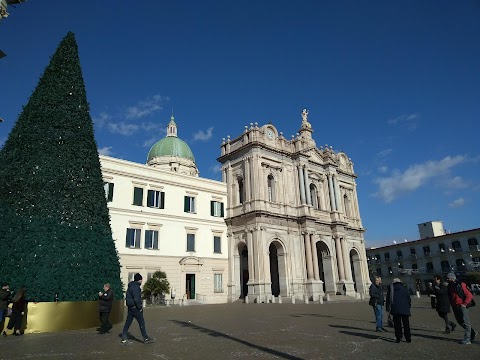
<point>334,330</point>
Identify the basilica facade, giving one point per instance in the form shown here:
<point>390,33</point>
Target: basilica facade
<point>293,219</point>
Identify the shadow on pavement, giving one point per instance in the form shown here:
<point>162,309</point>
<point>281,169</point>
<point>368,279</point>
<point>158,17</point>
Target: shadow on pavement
<point>350,327</point>
<point>219,334</point>
<point>314,315</point>
<point>367,336</point>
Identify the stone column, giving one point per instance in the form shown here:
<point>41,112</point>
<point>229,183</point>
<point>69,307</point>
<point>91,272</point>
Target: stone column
<point>257,255</point>
<point>251,271</point>
<point>321,195</point>
<point>247,179</point>
<point>332,194</point>
<point>252,179</point>
<point>338,249</point>
<point>346,259</point>
<point>302,185</point>
<point>316,271</point>
<point>308,255</point>
<point>307,188</point>
<point>336,190</point>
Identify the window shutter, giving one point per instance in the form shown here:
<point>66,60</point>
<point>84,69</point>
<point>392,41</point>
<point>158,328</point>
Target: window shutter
<point>155,239</point>
<point>185,204</point>
<point>221,210</point>
<point>129,238</point>
<point>150,198</point>
<point>212,208</point>
<point>138,196</point>
<point>162,200</point>
<point>138,233</point>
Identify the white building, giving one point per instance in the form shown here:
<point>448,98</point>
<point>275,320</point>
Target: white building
<point>165,217</point>
<point>294,226</point>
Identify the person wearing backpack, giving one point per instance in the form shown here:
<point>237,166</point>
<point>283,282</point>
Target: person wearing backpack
<point>461,299</point>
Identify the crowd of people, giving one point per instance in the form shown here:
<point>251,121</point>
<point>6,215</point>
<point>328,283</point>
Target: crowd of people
<point>452,294</point>
<point>15,312</point>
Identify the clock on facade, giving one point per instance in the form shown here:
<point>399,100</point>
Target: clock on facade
<point>270,133</point>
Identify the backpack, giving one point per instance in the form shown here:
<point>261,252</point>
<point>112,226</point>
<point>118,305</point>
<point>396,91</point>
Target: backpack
<point>461,293</point>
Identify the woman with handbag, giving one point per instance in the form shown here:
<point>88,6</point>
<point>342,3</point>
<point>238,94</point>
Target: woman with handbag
<point>18,310</point>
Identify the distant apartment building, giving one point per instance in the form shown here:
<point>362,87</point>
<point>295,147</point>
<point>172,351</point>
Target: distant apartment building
<point>437,252</point>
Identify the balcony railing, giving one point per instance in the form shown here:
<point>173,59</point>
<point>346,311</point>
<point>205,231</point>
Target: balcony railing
<point>474,247</point>
<point>413,256</point>
<point>457,249</point>
<point>428,253</point>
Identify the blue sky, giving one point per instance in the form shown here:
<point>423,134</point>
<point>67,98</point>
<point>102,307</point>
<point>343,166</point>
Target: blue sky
<point>394,84</point>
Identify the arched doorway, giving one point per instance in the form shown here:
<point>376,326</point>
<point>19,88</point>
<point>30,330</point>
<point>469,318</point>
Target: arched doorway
<point>325,267</point>
<point>355,266</point>
<point>278,275</point>
<point>243,251</point>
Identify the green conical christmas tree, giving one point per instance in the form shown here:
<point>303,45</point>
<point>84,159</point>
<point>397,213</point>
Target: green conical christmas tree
<point>55,234</point>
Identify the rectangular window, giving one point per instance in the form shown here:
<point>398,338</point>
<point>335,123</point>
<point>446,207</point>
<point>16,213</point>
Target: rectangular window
<point>190,242</point>
<point>151,239</point>
<point>441,247</point>
<point>108,187</point>
<point>387,256</point>
<point>189,204</point>
<point>138,196</point>
<point>216,208</point>
<point>379,271</point>
<point>426,250</point>
<point>131,275</point>
<point>217,283</point>
<point>156,199</point>
<point>133,238</point>
<point>149,275</point>
<point>217,244</point>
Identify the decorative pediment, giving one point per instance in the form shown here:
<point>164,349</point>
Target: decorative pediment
<point>191,260</point>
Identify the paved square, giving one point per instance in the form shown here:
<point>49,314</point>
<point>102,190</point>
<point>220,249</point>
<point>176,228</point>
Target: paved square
<point>335,330</point>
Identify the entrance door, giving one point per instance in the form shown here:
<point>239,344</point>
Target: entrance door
<point>190,286</point>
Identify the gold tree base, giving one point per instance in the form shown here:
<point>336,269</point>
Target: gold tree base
<point>66,315</point>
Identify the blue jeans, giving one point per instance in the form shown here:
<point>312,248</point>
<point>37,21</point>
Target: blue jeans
<point>461,315</point>
<point>133,312</point>
<point>378,311</point>
<point>2,317</point>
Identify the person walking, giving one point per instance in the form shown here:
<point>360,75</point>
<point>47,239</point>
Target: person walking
<point>460,299</point>
<point>399,303</point>
<point>18,310</point>
<point>105,301</point>
<point>377,300</point>
<point>135,310</point>
<point>432,295</point>
<point>443,303</point>
<point>5,295</point>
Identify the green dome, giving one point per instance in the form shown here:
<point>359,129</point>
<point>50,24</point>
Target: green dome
<point>170,146</point>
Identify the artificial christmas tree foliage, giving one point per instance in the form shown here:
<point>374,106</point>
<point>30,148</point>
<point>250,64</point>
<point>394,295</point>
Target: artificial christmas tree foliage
<point>55,234</point>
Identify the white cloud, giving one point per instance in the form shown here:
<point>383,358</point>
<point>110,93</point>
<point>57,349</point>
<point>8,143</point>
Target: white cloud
<point>216,168</point>
<point>384,153</point>
<point>145,107</point>
<point>383,169</point>
<point>456,182</point>
<point>203,136</point>
<point>149,142</point>
<point>124,122</point>
<point>407,120</point>
<point>457,203</point>
<point>415,176</point>
<point>106,150</point>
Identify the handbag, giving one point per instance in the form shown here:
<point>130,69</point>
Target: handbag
<point>471,304</point>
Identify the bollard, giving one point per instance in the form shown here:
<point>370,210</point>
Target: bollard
<point>328,297</point>
<point>273,299</point>
<point>144,304</point>
<point>320,299</point>
<point>246,299</point>
<point>293,299</point>
<point>259,299</point>
<point>418,294</point>
<point>306,299</point>
<point>279,299</point>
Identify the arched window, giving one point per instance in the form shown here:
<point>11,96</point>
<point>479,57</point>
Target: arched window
<point>473,243</point>
<point>456,246</point>
<point>314,195</point>
<point>429,267</point>
<point>271,188</point>
<point>460,264</point>
<point>240,191</point>
<point>445,266</point>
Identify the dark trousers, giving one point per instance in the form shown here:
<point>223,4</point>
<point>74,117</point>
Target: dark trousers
<point>15,321</point>
<point>103,316</point>
<point>133,312</point>
<point>448,324</point>
<point>433,302</point>
<point>398,320</point>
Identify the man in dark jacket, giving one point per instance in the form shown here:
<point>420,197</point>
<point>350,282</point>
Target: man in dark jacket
<point>105,301</point>
<point>377,300</point>
<point>460,297</point>
<point>443,303</point>
<point>399,303</point>
<point>5,295</point>
<point>135,310</point>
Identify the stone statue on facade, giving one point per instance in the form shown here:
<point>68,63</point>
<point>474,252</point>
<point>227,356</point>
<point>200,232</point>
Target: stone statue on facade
<point>305,123</point>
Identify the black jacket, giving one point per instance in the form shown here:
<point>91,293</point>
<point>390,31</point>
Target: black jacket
<point>401,300</point>
<point>443,302</point>
<point>4,299</point>
<point>105,301</point>
<point>376,294</point>
<point>134,295</point>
